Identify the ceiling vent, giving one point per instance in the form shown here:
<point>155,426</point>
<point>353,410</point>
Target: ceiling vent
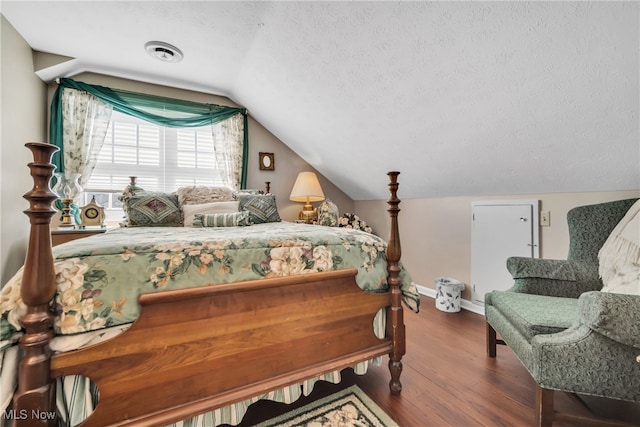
<point>163,51</point>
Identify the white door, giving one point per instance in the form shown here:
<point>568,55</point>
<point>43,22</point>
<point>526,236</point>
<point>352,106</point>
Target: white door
<point>500,230</point>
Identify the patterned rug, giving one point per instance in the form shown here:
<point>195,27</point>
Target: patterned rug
<point>346,408</point>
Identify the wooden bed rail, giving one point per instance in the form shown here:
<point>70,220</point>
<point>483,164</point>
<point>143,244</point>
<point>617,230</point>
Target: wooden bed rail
<point>243,338</point>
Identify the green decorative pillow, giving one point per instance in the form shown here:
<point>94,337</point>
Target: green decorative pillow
<point>262,208</point>
<point>151,209</point>
<point>233,219</point>
<point>126,195</point>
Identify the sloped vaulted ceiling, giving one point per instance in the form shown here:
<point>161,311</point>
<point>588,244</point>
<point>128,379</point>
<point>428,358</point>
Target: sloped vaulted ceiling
<point>464,98</point>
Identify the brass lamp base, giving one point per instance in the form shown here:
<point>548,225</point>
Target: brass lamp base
<point>66,220</point>
<point>308,214</point>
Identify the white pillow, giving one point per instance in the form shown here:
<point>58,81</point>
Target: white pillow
<point>619,257</point>
<point>189,211</point>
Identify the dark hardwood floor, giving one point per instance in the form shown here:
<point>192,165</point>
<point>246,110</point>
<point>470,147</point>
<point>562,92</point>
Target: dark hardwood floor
<point>449,381</point>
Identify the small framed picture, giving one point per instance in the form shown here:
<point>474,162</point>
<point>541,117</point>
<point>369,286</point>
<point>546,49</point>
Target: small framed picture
<point>267,162</point>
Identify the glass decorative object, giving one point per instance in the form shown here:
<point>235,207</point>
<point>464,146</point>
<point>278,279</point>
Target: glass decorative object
<point>68,189</point>
<point>67,185</point>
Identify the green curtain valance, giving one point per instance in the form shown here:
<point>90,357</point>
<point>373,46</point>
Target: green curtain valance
<point>158,110</point>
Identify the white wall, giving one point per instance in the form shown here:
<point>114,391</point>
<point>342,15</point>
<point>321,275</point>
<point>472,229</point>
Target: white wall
<point>436,233</point>
<point>23,119</point>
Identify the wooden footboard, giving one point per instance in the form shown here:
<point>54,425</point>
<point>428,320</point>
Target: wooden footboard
<point>194,350</point>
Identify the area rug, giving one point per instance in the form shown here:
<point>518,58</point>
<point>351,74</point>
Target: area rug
<point>346,408</point>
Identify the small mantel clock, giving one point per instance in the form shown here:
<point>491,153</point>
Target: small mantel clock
<point>92,214</point>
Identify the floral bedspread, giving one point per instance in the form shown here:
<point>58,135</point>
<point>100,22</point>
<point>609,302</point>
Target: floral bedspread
<point>99,278</point>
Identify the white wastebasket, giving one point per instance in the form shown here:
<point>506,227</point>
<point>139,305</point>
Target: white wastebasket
<point>448,294</point>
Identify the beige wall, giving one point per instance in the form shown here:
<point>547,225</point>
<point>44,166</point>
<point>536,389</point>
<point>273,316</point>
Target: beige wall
<point>287,163</point>
<point>23,119</point>
<point>436,233</point>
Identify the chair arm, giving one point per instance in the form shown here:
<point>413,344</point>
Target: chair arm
<point>616,316</point>
<point>555,269</point>
<point>597,355</point>
<point>580,360</point>
<point>559,278</point>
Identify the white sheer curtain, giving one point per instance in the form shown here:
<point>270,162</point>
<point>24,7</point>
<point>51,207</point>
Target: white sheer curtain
<point>228,141</point>
<point>85,122</point>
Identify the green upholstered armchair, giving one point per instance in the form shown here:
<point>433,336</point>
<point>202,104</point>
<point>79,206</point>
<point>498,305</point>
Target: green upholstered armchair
<point>589,227</point>
<point>567,334</point>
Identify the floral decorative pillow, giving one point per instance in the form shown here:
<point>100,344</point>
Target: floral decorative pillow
<point>152,209</point>
<point>349,220</point>
<point>189,211</point>
<point>231,219</point>
<point>246,192</point>
<point>262,208</point>
<point>328,214</point>
<point>203,194</point>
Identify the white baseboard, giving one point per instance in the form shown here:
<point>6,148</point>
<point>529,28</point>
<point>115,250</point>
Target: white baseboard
<point>466,304</point>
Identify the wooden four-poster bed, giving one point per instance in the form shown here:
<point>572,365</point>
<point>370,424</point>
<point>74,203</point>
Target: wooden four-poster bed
<point>192,350</point>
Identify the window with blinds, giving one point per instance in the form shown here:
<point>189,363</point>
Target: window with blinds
<point>162,159</point>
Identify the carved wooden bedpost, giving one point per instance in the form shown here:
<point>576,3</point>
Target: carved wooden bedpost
<point>395,324</point>
<point>34,401</point>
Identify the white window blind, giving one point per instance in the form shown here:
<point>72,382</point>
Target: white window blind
<point>162,159</point>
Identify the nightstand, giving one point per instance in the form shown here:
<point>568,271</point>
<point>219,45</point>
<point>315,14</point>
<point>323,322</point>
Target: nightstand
<point>63,235</point>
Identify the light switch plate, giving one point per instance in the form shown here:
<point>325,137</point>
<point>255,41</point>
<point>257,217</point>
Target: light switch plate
<point>545,219</point>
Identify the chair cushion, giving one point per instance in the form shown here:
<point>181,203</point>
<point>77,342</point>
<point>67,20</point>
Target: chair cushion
<point>532,315</point>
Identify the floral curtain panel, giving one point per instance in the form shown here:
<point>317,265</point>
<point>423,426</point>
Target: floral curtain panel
<point>86,120</point>
<point>229,150</point>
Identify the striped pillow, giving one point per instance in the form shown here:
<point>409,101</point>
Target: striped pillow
<point>233,219</point>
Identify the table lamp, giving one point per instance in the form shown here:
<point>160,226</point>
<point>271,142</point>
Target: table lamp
<point>307,190</point>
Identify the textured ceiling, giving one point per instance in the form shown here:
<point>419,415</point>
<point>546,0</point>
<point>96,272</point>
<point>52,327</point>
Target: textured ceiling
<point>464,98</point>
